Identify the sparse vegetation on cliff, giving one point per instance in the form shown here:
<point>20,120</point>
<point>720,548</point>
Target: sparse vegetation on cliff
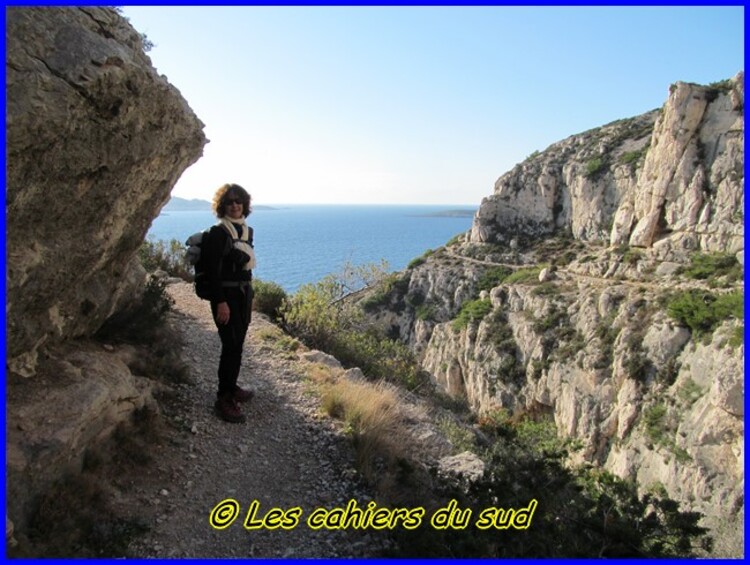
<point>318,315</point>
<point>471,312</point>
<point>703,311</point>
<point>578,512</point>
<point>718,269</point>
<point>493,277</point>
<point>594,167</point>
<point>526,275</point>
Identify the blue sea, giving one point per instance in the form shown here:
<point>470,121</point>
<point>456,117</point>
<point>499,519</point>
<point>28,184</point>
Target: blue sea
<point>295,245</point>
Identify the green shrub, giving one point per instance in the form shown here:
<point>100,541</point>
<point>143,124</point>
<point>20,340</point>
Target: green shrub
<point>426,312</point>
<point>594,167</point>
<point>315,313</point>
<point>510,368</point>
<point>576,342</point>
<point>524,276</point>
<point>321,318</point>
<point>139,322</point>
<point>501,332</point>
<point>638,366</point>
<point>546,289</point>
<point>383,291</point>
<point>377,356</point>
<point>471,312</point>
<point>631,157</point>
<point>166,256</point>
<point>455,239</point>
<point>690,392</point>
<point>715,88</point>
<point>607,334</point>
<point>269,298</point>
<point>703,311</point>
<point>566,258</point>
<point>632,256</point>
<point>420,260</point>
<point>738,337</point>
<point>660,428</point>
<point>415,299</point>
<point>555,318</point>
<point>534,155</point>
<point>493,277</point>
<point>144,324</point>
<point>318,310</point>
<point>667,374</point>
<point>376,300</point>
<point>711,266</point>
<point>460,437</point>
<point>540,436</point>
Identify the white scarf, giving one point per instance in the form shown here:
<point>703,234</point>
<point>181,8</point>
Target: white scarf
<point>242,244</point>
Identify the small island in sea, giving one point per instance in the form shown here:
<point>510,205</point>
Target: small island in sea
<point>458,213</point>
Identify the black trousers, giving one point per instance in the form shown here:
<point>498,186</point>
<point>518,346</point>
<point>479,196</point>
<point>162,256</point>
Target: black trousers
<point>232,336</point>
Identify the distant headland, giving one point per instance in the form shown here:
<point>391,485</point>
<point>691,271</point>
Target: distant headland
<point>177,204</point>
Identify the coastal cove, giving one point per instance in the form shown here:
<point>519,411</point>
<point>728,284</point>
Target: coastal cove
<point>299,244</point>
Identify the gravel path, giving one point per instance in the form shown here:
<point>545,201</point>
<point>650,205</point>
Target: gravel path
<point>286,455</point>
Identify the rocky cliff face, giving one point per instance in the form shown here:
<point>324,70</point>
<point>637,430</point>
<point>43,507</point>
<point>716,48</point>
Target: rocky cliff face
<point>672,177</point>
<point>557,301</point>
<point>96,139</point>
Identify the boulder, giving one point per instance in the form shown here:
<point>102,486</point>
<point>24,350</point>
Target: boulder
<point>321,358</point>
<point>95,141</point>
<point>113,136</point>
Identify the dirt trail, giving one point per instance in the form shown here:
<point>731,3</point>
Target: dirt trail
<point>286,455</point>
<point>566,274</point>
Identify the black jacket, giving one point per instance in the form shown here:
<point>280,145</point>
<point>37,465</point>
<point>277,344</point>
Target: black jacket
<point>224,262</point>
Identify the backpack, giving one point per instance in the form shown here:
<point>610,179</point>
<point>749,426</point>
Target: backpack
<point>193,256</point>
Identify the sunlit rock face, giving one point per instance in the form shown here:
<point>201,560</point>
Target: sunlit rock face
<point>672,177</point>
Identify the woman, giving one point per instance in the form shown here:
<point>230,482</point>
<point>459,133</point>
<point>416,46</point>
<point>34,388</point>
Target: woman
<point>229,263</point>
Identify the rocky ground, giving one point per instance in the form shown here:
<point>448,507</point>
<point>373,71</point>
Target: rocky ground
<point>288,454</point>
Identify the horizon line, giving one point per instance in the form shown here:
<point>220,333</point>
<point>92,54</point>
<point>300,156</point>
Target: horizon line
<point>256,203</point>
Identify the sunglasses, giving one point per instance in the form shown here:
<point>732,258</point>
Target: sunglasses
<point>230,201</point>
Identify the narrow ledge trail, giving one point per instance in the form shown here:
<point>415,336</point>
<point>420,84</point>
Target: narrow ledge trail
<point>286,455</point>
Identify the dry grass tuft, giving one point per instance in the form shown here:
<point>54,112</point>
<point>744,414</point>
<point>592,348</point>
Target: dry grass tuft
<point>373,417</point>
<point>322,374</point>
<point>376,418</point>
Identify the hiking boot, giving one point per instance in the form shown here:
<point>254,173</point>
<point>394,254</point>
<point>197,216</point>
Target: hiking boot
<point>229,410</point>
<point>242,395</point>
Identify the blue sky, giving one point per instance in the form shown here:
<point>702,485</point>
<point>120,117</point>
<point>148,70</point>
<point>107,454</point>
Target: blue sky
<point>429,105</point>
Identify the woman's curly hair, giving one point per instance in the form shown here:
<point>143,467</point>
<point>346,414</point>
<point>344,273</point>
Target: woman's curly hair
<point>226,192</point>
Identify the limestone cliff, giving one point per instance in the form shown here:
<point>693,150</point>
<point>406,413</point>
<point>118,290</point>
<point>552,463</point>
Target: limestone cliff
<point>672,177</point>
<point>96,139</point>
<point>556,302</point>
